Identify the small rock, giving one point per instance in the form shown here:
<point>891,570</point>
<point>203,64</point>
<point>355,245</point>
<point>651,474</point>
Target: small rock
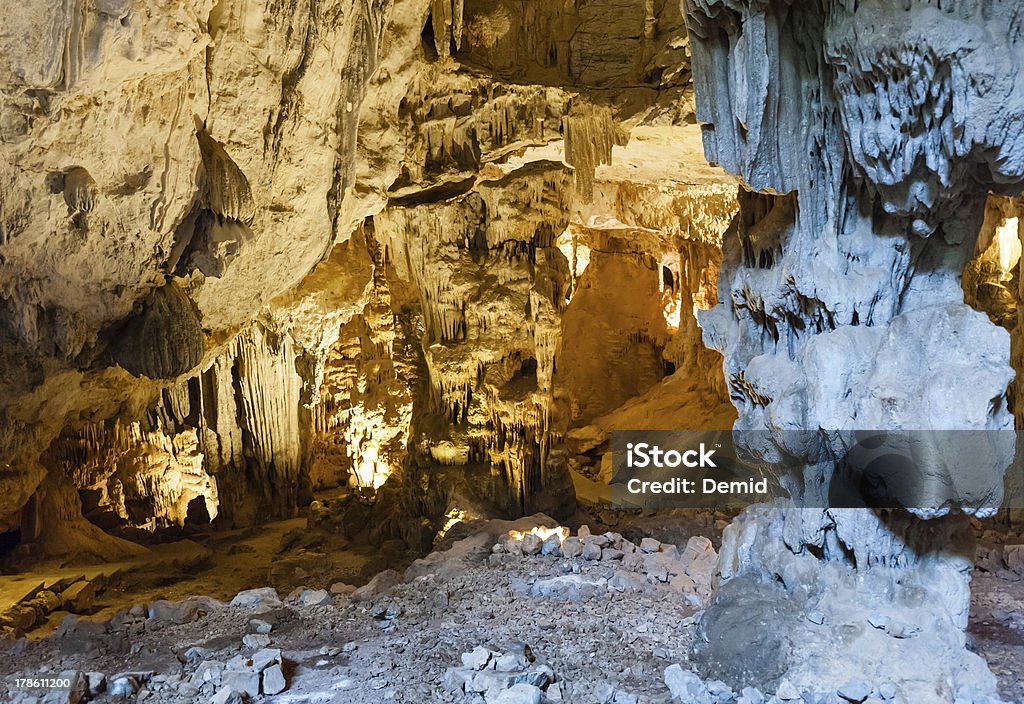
<point>572,547</point>
<point>609,554</point>
<point>517,694</point>
<point>650,545</point>
<point>342,588</point>
<point>888,690</point>
<point>787,692</point>
<point>123,687</point>
<point>245,681</point>
<point>256,640</point>
<point>96,682</point>
<point>314,597</point>
<point>381,583</point>
<point>208,671</point>
<point>532,544</point>
<point>604,693</point>
<point>196,654</point>
<point>591,551</point>
<point>720,691</point>
<point>510,662</point>
<point>816,617</point>
<point>686,686</point>
<point>624,581</point>
<point>265,596</point>
<point>260,626</point>
<point>656,567</point>
<point>273,679</point>
<point>552,546</point>
<point>457,679</point>
<point>180,612</point>
<point>513,546</point>
<point>478,659</point>
<point>583,532</point>
<point>879,621</point>
<point>227,695</point>
<point>265,658</point>
<point>855,691</point>
<point>574,587</point>
<point>750,695</point>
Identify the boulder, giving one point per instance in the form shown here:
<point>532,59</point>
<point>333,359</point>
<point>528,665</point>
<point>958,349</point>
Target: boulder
<point>246,682</point>
<point>79,597</point>
<point>264,596</point>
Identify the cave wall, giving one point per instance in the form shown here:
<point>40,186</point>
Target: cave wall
<point>320,238</point>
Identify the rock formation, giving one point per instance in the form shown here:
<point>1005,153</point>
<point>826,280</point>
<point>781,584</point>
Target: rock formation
<point>249,251</point>
<point>436,251</point>
<point>868,135</point>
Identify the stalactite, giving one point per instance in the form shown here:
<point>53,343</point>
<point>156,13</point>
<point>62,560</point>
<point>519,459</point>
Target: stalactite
<point>148,478</point>
<point>165,339</point>
<point>590,133</point>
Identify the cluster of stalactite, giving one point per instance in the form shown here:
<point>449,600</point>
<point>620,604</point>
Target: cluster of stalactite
<point>252,429</point>
<point>144,479</point>
<point>219,256</point>
<point>362,422</point>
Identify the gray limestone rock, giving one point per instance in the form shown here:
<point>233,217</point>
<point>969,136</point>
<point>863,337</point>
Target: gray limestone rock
<point>686,686</point>
<point>273,679</point>
<point>265,596</point>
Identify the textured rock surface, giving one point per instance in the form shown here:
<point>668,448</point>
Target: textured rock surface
<point>872,134</point>
<point>338,241</point>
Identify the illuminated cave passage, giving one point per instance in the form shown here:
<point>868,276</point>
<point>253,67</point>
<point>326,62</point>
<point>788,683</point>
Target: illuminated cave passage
<point>317,319</point>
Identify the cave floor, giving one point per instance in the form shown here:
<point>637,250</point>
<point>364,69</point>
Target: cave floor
<point>996,630</point>
<point>397,644</point>
<point>282,554</point>
<point>169,557</point>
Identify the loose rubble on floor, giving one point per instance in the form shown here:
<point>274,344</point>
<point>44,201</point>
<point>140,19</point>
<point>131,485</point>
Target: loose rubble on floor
<point>516,613</point>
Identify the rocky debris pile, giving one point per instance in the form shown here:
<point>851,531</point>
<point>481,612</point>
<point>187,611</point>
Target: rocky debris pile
<point>196,675</point>
<point>509,675</point>
<point>637,566</point>
<point>688,687</point>
<point>1003,561</point>
<point>75,595</point>
<point>241,677</point>
<point>399,639</point>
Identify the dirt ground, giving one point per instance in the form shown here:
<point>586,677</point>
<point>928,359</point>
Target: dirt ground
<point>397,644</point>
